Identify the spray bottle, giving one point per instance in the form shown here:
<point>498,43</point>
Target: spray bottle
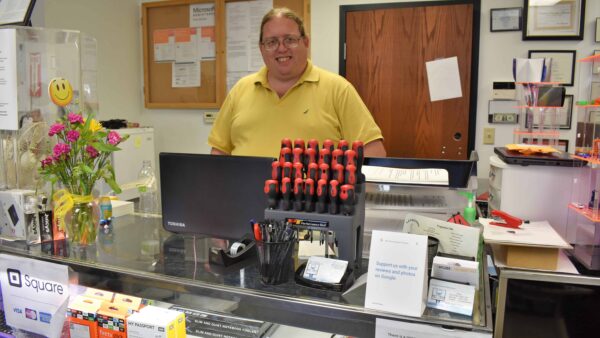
<point>469,213</point>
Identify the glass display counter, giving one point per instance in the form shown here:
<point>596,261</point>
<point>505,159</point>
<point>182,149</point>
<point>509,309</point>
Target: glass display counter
<point>141,259</point>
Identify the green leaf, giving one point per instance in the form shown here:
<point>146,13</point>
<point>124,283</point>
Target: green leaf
<point>105,147</point>
<point>142,188</point>
<point>87,169</point>
<point>113,185</point>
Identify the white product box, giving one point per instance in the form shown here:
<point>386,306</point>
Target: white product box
<point>151,324</point>
<point>456,270</point>
<point>177,316</point>
<point>12,216</point>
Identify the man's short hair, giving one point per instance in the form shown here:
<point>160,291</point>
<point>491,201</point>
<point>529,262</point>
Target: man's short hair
<point>285,13</point>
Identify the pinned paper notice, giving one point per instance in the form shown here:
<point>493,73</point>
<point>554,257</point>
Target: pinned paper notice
<point>444,79</point>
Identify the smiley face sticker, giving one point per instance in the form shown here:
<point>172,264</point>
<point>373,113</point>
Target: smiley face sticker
<point>60,91</point>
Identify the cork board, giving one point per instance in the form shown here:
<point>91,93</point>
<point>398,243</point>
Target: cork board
<point>159,91</point>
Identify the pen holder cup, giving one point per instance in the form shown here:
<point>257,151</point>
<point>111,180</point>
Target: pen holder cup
<point>276,261</point>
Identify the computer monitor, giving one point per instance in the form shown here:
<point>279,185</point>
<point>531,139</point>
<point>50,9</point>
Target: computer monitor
<point>212,195</point>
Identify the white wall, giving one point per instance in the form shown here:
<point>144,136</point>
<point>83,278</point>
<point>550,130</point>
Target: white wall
<point>116,26</point>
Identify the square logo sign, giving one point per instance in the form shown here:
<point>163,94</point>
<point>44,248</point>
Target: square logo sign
<point>14,277</point>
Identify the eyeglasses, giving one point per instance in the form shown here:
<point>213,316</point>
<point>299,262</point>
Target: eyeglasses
<point>289,41</point>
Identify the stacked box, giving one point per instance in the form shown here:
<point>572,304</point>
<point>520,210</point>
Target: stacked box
<point>81,315</point>
<point>111,320</point>
<point>177,316</point>
<point>99,294</point>
<point>151,324</point>
<point>211,324</point>
<point>133,304</point>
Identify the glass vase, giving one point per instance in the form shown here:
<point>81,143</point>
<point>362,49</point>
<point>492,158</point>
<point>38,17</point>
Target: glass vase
<point>82,224</point>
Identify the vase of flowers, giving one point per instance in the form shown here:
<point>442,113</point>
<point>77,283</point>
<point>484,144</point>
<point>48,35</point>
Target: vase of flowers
<point>80,158</point>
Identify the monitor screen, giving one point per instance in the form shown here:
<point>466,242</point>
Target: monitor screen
<point>212,195</point>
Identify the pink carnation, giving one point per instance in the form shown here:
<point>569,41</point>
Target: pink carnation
<point>75,118</point>
<point>46,162</point>
<point>114,138</point>
<point>72,135</point>
<point>56,128</point>
<point>61,149</point>
<point>92,151</point>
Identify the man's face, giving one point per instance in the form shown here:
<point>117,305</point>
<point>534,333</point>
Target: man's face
<point>284,63</point>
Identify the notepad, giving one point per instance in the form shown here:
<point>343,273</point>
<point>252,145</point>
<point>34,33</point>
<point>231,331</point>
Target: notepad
<point>431,176</point>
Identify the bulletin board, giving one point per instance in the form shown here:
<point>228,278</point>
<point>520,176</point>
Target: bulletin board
<point>159,89</point>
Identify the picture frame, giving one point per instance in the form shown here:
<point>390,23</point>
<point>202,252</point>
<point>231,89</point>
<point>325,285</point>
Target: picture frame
<point>597,29</point>
<point>503,111</point>
<point>562,144</point>
<point>16,12</point>
<point>596,64</point>
<point>564,116</point>
<point>562,68</point>
<point>553,20</point>
<point>505,19</point>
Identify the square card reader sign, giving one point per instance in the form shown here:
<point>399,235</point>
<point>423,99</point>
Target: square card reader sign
<point>35,294</point>
<point>397,275</point>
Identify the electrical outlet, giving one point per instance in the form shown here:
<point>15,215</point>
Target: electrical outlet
<point>489,135</point>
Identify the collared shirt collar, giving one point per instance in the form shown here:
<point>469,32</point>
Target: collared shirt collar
<point>310,75</point>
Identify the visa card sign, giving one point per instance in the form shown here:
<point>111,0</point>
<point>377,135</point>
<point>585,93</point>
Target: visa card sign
<point>35,294</point>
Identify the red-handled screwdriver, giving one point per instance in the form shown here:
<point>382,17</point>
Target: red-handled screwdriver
<point>328,144</point>
<point>350,175</point>
<point>337,156</point>
<point>313,171</point>
<point>324,172</point>
<point>272,192</point>
<point>309,195</point>
<point>286,193</point>
<point>286,171</point>
<point>285,155</point>
<point>313,144</point>
<point>298,171</point>
<point>321,196</point>
<point>359,148</point>
<point>337,173</point>
<point>276,171</point>
<point>297,155</point>
<point>350,157</point>
<point>347,198</point>
<point>286,143</point>
<point>310,156</point>
<point>333,197</point>
<point>325,156</point>
<point>299,143</point>
<point>298,194</point>
<point>343,144</point>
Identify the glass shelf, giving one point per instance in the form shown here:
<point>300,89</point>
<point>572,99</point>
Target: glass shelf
<point>142,259</point>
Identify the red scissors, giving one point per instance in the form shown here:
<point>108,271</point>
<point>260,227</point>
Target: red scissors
<point>509,221</point>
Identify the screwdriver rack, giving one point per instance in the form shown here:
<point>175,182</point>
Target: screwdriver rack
<point>348,229</point>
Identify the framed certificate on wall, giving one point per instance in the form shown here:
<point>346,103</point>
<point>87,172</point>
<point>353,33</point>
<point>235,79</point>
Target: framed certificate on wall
<point>553,20</point>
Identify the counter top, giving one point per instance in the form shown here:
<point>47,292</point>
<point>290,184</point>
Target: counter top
<point>140,258</point>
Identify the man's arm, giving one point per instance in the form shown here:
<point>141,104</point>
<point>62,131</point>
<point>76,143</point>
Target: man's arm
<point>215,151</point>
<point>374,149</point>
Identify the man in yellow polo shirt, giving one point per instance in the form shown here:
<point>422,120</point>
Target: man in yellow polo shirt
<point>290,98</point>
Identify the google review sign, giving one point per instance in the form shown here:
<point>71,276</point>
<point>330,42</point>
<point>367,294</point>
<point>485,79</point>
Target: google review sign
<point>35,294</point>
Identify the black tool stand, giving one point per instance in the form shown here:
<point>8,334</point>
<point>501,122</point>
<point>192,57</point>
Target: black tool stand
<point>348,229</point>
<point>226,258</point>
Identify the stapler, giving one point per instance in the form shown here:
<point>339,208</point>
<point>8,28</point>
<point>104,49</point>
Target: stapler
<point>508,221</point>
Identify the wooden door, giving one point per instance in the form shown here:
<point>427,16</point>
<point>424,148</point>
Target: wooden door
<point>386,50</point>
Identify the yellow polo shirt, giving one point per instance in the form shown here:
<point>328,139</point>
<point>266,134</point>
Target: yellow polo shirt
<point>321,105</point>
